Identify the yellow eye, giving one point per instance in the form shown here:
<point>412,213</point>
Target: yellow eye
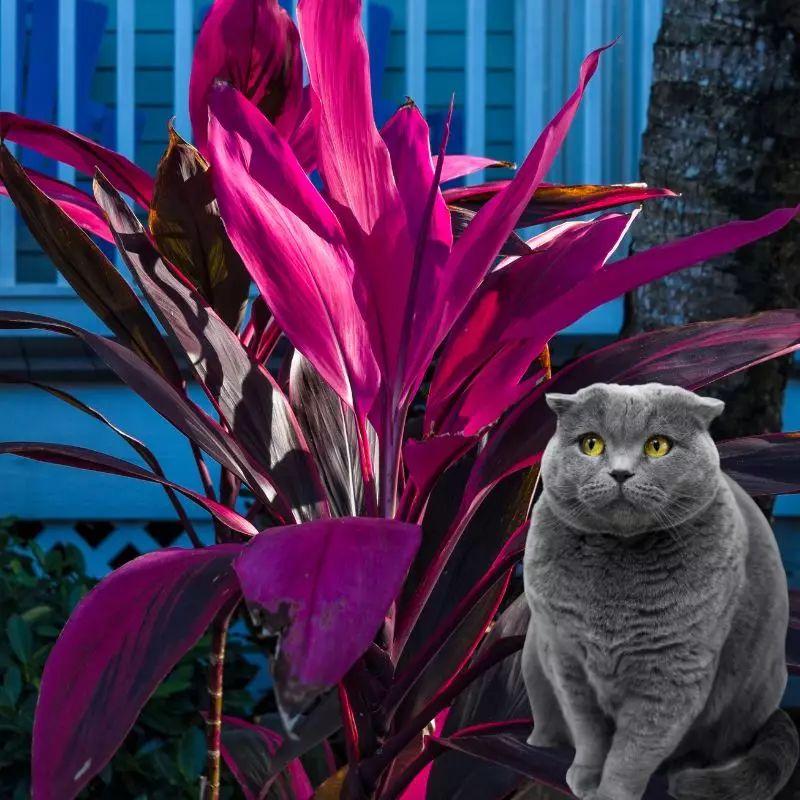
<point>592,445</point>
<point>657,446</point>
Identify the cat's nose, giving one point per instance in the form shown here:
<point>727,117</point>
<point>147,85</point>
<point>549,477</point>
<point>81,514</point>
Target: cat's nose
<point>620,475</point>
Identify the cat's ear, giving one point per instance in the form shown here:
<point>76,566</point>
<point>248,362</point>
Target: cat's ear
<point>707,409</point>
<point>560,402</point>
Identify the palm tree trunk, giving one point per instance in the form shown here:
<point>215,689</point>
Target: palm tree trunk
<point>724,131</point>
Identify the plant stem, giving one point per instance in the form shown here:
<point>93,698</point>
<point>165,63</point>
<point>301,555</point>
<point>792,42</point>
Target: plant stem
<point>219,634</point>
<point>367,470</point>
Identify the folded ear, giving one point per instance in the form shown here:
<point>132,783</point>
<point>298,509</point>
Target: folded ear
<point>707,409</point>
<point>560,402</point>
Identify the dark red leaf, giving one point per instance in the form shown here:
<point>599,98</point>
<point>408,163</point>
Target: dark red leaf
<point>88,271</point>
<point>162,396</point>
<point>81,458</point>
<point>257,412</point>
<point>185,222</point>
<point>121,641</point>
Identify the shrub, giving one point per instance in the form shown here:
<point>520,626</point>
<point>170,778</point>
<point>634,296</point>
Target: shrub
<point>382,557</point>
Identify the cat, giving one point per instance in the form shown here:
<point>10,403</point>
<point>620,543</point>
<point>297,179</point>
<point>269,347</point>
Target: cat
<point>659,605</point>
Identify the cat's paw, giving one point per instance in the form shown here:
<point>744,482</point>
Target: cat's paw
<point>543,738</point>
<point>584,780</point>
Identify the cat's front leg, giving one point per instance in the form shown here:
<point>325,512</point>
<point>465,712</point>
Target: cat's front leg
<point>648,730</point>
<point>549,727</point>
<point>590,729</point>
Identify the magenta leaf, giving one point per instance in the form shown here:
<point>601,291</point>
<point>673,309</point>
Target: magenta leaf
<point>474,252</point>
<point>257,412</point>
<point>552,202</point>
<point>506,319</point>
<point>763,465</point>
<point>427,459</point>
<point>81,458</point>
<point>253,45</point>
<point>121,641</point>
<point>77,205</point>
<point>324,587</point>
<point>292,245</point>
<point>161,395</point>
<point>359,172</point>
<point>249,751</point>
<point>79,152</point>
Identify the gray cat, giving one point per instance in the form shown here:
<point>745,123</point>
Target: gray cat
<point>659,605</point>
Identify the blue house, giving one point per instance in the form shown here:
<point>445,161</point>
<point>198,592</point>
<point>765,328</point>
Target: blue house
<point>119,69</point>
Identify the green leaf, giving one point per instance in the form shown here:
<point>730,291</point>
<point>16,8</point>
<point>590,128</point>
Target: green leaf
<point>19,637</point>
<point>38,553</point>
<point>75,595</point>
<point>53,562</point>
<point>12,685</point>
<point>191,754</point>
<point>33,615</point>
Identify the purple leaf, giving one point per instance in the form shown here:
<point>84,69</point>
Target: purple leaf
<point>121,641</point>
<point>793,633</point>
<point>162,396</point>
<point>79,152</point>
<point>77,205</point>
<point>253,45</point>
<point>474,252</point>
<point>552,202</point>
<point>88,271</point>
<point>325,587</point>
<point>257,412</point>
<point>81,458</point>
<point>427,459</point>
<point>763,465</point>
<point>460,218</point>
<point>249,750</point>
<point>292,245</point>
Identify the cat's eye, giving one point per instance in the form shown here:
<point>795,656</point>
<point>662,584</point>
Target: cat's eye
<point>592,445</point>
<point>657,446</point>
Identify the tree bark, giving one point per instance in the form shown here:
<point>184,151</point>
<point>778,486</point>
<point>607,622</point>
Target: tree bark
<point>724,131</point>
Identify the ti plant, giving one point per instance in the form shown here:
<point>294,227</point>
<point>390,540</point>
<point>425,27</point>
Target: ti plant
<point>385,555</point>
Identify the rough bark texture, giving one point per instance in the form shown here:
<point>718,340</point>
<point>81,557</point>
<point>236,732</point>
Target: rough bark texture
<point>724,131</point>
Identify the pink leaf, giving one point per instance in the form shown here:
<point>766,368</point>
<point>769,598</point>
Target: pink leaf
<point>325,587</point>
<point>79,152</point>
<point>357,169</point>
<point>121,641</point>
<point>474,252</point>
<point>253,45</point>
<point>79,206</point>
<point>459,166</point>
<point>508,308</point>
<point>292,245</point>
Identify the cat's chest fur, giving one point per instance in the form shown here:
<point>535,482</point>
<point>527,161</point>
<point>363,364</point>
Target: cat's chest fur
<point>618,607</point>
